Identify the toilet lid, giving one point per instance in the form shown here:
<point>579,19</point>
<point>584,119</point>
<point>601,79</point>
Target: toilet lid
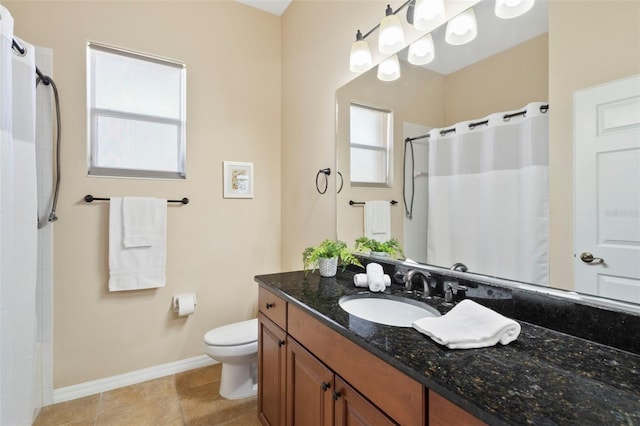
<point>237,333</point>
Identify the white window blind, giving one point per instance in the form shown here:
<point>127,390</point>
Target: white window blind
<point>370,138</point>
<point>136,114</point>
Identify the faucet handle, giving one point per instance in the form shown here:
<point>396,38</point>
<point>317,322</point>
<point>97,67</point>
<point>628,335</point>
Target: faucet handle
<point>450,286</point>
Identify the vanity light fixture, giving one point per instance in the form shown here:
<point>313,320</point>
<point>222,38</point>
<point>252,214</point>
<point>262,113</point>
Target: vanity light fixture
<point>462,28</point>
<point>391,37</point>
<point>360,59</point>
<point>507,9</point>
<point>389,69</point>
<point>422,51</point>
<point>428,14</point>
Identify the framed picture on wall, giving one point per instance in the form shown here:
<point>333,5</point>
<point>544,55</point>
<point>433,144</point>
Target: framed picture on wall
<point>238,179</point>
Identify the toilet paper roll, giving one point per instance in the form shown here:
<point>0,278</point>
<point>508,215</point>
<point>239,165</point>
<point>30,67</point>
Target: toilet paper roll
<point>186,304</point>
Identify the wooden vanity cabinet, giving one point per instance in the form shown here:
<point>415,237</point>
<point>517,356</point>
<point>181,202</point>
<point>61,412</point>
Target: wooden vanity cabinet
<point>318,397</point>
<point>443,412</point>
<point>310,375</point>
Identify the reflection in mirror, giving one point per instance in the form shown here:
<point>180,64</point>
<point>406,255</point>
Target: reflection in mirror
<point>541,66</point>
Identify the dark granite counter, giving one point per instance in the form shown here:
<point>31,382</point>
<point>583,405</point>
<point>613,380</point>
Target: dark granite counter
<point>544,378</point>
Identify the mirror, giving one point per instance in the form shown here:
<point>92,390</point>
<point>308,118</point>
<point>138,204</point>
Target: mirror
<point>587,44</point>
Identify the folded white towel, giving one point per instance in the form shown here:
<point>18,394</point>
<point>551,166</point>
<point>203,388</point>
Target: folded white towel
<point>135,268</point>
<point>375,277</point>
<point>469,325</point>
<point>139,217</point>
<point>360,280</point>
<point>377,220</point>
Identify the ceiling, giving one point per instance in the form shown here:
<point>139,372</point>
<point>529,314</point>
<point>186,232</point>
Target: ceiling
<point>276,7</point>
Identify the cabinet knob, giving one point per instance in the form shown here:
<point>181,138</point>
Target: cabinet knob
<point>325,386</point>
<point>336,395</point>
<point>270,305</point>
<point>281,343</point>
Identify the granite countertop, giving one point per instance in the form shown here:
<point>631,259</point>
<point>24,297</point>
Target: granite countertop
<point>543,378</point>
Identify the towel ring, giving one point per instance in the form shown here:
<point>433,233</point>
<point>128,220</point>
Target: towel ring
<point>326,172</point>
<point>341,181</point>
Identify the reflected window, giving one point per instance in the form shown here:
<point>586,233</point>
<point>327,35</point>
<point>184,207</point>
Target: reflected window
<point>370,143</point>
<point>136,112</point>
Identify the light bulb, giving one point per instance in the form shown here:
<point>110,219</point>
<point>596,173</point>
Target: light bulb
<point>389,69</point>
<point>360,59</point>
<point>507,9</point>
<point>428,14</point>
<point>462,28</point>
<point>422,51</point>
<point>391,35</point>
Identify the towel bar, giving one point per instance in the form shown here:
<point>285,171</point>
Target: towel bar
<point>361,203</point>
<point>90,198</point>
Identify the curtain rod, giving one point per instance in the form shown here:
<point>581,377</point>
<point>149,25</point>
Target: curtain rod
<point>90,198</point>
<point>506,117</point>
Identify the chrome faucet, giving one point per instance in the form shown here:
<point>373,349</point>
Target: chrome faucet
<point>459,267</point>
<point>425,277</point>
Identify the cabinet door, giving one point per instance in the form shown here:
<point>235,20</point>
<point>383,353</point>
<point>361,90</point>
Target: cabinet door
<point>271,372</point>
<point>309,388</point>
<point>352,409</point>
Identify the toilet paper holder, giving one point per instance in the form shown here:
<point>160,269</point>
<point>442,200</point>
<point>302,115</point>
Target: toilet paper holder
<point>176,300</point>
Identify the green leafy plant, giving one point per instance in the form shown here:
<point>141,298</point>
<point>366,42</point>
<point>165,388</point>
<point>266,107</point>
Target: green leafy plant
<point>367,245</point>
<point>326,250</point>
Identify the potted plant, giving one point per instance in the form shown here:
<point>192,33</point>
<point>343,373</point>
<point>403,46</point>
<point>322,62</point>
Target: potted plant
<point>326,256</point>
<point>386,248</point>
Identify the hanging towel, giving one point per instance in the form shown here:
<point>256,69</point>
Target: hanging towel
<point>377,220</point>
<point>469,325</point>
<point>135,268</point>
<point>139,217</point>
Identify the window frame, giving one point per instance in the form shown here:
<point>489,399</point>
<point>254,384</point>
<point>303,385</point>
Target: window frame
<point>94,113</point>
<point>386,150</point>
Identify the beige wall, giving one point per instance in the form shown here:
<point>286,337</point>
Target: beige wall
<point>590,42</point>
<point>214,246</point>
<point>503,82</point>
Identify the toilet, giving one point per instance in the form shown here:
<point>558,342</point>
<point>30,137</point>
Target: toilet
<point>236,347</point>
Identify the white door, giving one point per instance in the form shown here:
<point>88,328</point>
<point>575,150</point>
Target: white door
<point>607,189</point>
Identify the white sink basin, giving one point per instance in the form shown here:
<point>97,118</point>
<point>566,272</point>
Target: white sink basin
<point>386,309</point>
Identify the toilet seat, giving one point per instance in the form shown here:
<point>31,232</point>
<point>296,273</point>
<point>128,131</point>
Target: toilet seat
<point>239,333</point>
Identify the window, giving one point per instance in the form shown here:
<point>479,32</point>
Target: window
<point>136,112</point>
<point>370,145</point>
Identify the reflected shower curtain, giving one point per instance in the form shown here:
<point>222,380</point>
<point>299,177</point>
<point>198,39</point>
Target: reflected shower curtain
<point>18,224</point>
<point>489,196</point>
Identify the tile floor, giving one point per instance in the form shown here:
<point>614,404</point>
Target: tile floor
<point>184,399</point>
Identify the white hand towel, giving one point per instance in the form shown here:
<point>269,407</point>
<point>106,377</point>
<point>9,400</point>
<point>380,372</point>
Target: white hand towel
<point>375,277</point>
<point>360,280</point>
<point>377,220</point>
<point>135,268</point>
<point>139,217</point>
<point>469,325</point>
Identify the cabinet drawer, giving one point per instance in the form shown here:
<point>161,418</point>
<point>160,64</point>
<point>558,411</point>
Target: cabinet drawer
<point>395,393</point>
<point>273,307</point>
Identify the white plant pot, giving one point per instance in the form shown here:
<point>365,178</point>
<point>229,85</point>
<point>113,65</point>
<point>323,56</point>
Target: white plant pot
<point>328,267</point>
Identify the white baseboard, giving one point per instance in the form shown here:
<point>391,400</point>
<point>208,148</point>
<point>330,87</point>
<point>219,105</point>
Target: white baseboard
<point>108,383</point>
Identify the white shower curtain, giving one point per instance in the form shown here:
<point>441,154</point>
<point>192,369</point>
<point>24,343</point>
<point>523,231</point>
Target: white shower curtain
<point>18,224</point>
<point>489,196</point>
